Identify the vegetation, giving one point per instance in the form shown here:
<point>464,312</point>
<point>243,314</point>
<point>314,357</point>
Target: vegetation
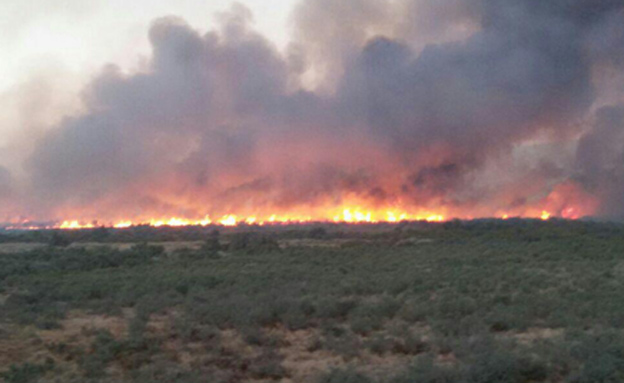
<point>471,302</point>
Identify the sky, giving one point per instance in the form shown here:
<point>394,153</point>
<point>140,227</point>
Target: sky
<point>454,108</point>
<point>71,32</point>
<point>59,45</point>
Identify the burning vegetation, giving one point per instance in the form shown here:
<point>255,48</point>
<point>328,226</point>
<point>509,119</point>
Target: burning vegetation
<point>498,109</point>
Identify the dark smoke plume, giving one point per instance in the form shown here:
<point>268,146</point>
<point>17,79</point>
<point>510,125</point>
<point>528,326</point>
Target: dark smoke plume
<point>416,101</point>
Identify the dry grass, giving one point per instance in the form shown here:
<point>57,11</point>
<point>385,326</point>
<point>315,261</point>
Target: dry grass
<point>536,334</point>
<point>17,247</point>
<point>77,324</point>
<point>301,362</point>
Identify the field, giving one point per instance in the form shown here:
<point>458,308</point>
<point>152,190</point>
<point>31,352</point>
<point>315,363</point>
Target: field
<point>473,302</point>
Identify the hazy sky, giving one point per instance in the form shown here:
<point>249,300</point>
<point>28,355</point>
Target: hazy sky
<point>70,32</point>
<point>53,47</point>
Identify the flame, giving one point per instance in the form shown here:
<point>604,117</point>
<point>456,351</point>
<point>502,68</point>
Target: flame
<point>565,201</point>
<point>75,225</point>
<point>228,220</point>
<point>353,215</point>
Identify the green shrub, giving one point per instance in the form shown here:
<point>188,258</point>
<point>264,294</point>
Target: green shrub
<point>380,344</point>
<point>335,308</point>
<point>253,243</point>
<point>410,345</point>
<point>267,365</point>
<point>425,371</point>
<point>344,376</point>
<point>27,372</point>
<point>317,233</point>
<point>168,373</point>
<point>59,240</point>
<point>503,367</point>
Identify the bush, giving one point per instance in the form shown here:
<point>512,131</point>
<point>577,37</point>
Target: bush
<point>601,356</point>
<point>425,371</point>
<point>59,240</point>
<point>253,243</point>
<point>342,342</point>
<point>410,345</point>
<point>335,308</point>
<point>502,367</point>
<point>27,372</point>
<point>317,233</point>
<point>344,376</point>
<point>606,369</point>
<point>103,351</point>
<point>380,344</point>
<point>267,365</point>
<point>370,316</point>
<point>132,353</point>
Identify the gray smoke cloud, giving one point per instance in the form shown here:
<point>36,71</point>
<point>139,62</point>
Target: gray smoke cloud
<point>6,194</point>
<point>425,95</point>
<point>600,160</point>
<point>5,182</point>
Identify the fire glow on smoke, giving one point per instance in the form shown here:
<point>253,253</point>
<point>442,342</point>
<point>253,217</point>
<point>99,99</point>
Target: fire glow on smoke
<point>342,214</point>
<point>346,216</point>
<point>499,109</point>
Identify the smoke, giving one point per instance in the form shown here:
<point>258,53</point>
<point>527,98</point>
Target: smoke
<point>600,160</point>
<point>394,102</point>
<point>5,182</point>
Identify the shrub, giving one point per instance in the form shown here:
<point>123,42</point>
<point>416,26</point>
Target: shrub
<point>348,375</point>
<point>168,373</point>
<point>344,343</point>
<point>370,316</point>
<point>255,336</point>
<point>59,240</point>
<point>365,325</point>
<point>27,372</point>
<point>132,353</point>
<point>317,233</point>
<point>380,344</point>
<point>103,352</point>
<point>335,308</point>
<point>605,368</point>
<point>425,371</point>
<point>267,365</point>
<point>253,243</point>
<point>503,367</point>
<point>410,345</point>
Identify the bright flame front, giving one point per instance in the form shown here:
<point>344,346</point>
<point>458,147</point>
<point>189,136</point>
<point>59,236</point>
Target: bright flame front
<point>352,215</point>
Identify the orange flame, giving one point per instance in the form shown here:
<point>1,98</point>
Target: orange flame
<point>352,215</point>
<point>565,201</point>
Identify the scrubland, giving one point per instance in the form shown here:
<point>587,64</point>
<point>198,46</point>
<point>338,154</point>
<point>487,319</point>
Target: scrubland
<point>472,302</point>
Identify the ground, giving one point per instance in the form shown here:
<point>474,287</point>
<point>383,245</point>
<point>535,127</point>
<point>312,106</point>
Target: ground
<point>482,301</point>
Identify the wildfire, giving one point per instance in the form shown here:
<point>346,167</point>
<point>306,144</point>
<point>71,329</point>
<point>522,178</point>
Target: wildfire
<point>228,220</point>
<point>565,201</point>
<point>353,215</point>
<point>75,225</point>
